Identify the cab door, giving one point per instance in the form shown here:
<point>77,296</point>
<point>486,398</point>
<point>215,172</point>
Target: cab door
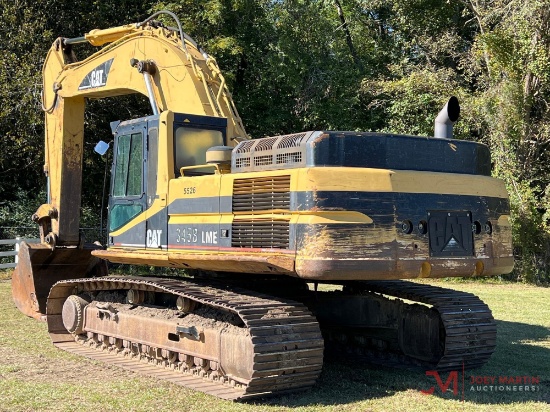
<point>156,236</point>
<point>127,198</point>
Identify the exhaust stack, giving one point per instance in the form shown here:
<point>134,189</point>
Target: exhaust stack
<point>446,119</point>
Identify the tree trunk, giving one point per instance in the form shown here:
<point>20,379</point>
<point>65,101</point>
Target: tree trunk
<point>347,34</point>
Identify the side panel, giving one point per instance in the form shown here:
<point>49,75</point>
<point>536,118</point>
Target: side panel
<point>194,214</point>
<point>194,208</point>
<point>156,235</point>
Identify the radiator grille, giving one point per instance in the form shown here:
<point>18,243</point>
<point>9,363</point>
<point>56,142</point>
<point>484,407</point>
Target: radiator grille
<point>243,162</point>
<point>265,144</point>
<point>271,153</point>
<point>289,158</point>
<point>245,147</point>
<point>263,160</point>
<point>292,140</point>
<point>260,233</point>
<point>262,193</point>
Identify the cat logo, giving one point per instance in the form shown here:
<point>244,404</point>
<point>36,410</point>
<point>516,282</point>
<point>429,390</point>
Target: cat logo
<point>153,238</point>
<point>97,77</point>
<point>450,233</point>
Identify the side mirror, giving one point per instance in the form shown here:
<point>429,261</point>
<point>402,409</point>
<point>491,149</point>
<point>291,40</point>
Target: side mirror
<point>101,147</point>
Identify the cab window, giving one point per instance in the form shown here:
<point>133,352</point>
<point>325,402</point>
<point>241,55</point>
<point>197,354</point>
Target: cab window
<point>191,145</point>
<point>128,166</point>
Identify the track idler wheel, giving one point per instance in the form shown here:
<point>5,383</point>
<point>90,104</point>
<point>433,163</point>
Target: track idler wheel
<point>73,314</point>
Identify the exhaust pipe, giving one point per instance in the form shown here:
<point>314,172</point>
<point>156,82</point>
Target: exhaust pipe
<point>446,119</point>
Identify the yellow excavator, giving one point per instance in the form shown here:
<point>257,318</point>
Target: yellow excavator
<point>258,224</point>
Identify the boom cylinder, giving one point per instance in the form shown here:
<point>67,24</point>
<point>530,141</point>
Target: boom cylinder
<point>148,69</point>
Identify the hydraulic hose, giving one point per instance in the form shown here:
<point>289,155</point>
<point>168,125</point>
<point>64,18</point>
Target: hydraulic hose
<point>183,35</point>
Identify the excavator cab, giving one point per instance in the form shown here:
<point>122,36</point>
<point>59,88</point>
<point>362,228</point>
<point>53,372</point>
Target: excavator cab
<point>138,215</point>
<point>138,212</point>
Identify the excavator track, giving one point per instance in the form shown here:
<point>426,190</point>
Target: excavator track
<point>467,328</point>
<point>285,337</point>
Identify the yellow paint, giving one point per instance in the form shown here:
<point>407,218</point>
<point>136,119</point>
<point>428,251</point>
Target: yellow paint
<point>480,267</point>
<point>194,187</point>
<point>165,169</point>
<point>504,221</point>
<point>63,152</point>
<point>264,216</point>
<point>194,219</point>
<point>273,212</point>
<point>311,218</point>
<point>226,219</point>
<point>425,270</point>
<point>98,37</point>
<point>397,181</point>
<point>315,244</point>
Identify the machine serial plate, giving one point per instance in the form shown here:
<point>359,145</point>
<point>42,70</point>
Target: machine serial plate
<point>450,233</point>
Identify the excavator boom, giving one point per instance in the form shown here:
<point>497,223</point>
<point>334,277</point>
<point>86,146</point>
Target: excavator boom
<point>161,63</point>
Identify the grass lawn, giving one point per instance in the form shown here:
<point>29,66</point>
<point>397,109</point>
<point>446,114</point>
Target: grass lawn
<point>34,376</point>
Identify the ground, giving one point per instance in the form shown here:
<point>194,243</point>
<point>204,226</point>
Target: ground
<point>35,376</point>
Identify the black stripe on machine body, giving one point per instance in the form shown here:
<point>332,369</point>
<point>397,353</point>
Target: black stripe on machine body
<point>365,202</point>
<point>384,207</point>
<point>385,237</point>
<point>221,236</point>
<point>133,237</point>
<point>150,234</point>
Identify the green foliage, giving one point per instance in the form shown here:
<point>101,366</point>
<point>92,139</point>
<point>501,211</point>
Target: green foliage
<point>510,57</point>
<point>531,235</point>
<point>409,103</point>
<point>15,215</point>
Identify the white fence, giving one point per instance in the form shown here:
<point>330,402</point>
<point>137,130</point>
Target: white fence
<point>15,251</point>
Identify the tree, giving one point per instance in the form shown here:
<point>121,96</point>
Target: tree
<point>512,52</point>
<point>27,30</point>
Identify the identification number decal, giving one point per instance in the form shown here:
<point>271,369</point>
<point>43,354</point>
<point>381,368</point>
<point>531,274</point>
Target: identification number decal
<point>194,235</point>
<point>189,190</point>
<point>186,235</point>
